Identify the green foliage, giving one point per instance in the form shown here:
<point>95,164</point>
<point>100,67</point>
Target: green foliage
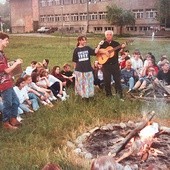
<point>5,15</point>
<point>44,134</point>
<point>163,9</point>
<point>118,16</point>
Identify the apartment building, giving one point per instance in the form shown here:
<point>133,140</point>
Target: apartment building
<point>80,15</point>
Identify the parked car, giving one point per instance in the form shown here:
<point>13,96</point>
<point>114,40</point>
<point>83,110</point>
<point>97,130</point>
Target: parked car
<point>43,30</point>
<point>47,30</point>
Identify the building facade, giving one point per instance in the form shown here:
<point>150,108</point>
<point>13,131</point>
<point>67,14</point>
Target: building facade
<point>80,15</point>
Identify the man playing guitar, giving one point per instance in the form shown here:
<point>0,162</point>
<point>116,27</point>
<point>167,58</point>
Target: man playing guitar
<point>111,65</point>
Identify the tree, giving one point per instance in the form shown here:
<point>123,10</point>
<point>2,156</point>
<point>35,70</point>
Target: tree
<point>5,15</point>
<point>119,17</point>
<point>163,11</point>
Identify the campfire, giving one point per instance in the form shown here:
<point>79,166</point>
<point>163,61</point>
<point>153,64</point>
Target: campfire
<point>142,144</point>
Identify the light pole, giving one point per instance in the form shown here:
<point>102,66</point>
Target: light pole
<point>87,30</point>
<point>62,21</point>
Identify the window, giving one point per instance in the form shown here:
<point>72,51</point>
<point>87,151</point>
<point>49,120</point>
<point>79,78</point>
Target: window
<point>74,1</point>
<point>66,2</point>
<point>74,17</point>
<point>138,13</point>
<point>109,28</point>
<point>83,1</point>
<point>93,16</point>
<point>57,2</point>
<point>81,28</point>
<point>42,18</point>
<point>57,18</point>
<point>66,17</point>
<point>144,28</point>
<point>50,18</point>
<point>151,13</point>
<point>43,3</point>
<point>50,2</point>
<point>82,16</point>
<point>98,29</point>
<point>102,15</point>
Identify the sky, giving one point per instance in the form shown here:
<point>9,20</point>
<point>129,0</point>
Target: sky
<point>2,1</point>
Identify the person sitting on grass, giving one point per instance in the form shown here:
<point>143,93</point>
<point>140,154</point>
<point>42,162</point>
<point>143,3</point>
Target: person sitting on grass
<point>137,62</point>
<point>56,73</point>
<point>122,60</point>
<point>150,63</point>
<point>37,92</point>
<point>30,69</point>
<point>128,76</point>
<point>38,66</point>
<point>145,81</point>
<point>48,81</point>
<point>35,79</point>
<point>46,64</point>
<point>68,75</point>
<point>164,73</point>
<point>163,78</point>
<point>26,104</point>
<point>163,59</point>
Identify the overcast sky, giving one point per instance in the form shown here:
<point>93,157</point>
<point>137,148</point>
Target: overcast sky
<point>2,1</point>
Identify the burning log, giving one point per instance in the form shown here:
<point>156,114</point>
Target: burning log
<point>119,146</point>
<point>141,145</point>
<point>165,129</point>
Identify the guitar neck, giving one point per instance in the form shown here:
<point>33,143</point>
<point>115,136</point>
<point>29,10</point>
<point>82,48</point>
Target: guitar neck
<point>119,46</point>
<point>116,48</point>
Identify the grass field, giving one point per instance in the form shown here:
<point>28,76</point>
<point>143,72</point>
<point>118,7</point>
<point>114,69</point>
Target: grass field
<point>43,136</point>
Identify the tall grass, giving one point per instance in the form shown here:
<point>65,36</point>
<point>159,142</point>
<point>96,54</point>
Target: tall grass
<point>43,136</point>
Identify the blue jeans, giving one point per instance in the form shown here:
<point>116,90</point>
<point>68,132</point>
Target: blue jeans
<point>10,104</point>
<point>129,84</point>
<point>34,101</point>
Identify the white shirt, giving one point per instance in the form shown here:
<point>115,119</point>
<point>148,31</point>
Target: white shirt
<point>29,70</point>
<point>137,65</point>
<point>21,94</point>
<point>52,79</point>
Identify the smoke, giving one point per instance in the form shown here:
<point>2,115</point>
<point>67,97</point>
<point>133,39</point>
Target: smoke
<point>160,107</point>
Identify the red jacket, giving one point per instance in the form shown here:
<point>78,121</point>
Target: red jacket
<point>6,81</point>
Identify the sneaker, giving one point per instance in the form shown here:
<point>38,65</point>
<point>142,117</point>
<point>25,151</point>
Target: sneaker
<point>50,98</point>
<point>63,98</point>
<point>65,95</point>
<point>122,100</point>
<point>129,91</point>
<point>54,98</point>
<point>44,103</point>
<point>19,118</point>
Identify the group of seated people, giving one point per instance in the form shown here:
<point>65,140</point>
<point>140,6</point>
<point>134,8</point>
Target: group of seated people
<point>38,84</point>
<point>138,73</point>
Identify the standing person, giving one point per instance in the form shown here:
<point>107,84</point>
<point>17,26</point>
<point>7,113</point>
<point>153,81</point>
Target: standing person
<point>111,66</point>
<point>84,80</point>
<point>9,98</point>
<point>153,35</point>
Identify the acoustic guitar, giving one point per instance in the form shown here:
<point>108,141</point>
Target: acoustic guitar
<point>104,54</point>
